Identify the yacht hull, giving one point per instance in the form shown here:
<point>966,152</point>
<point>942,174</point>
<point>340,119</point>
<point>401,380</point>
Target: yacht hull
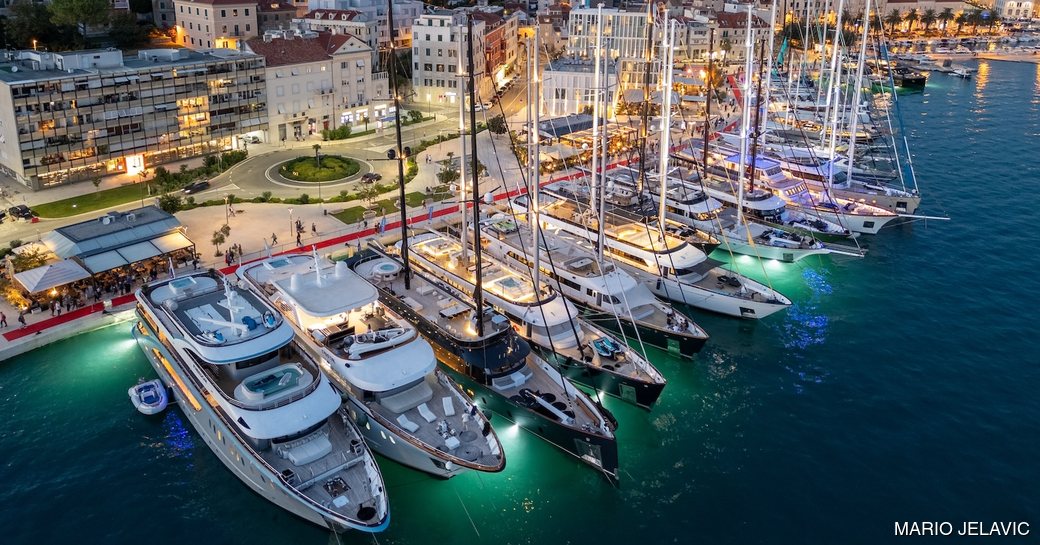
<point>868,225</point>
<point>378,435</point>
<point>235,455</point>
<point>765,251</point>
<point>641,393</point>
<point>704,299</point>
<point>900,204</point>
<point>595,450</point>
<point>684,346</point>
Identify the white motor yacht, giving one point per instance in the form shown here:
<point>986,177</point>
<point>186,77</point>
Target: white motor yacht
<point>406,408</point>
<point>260,403</point>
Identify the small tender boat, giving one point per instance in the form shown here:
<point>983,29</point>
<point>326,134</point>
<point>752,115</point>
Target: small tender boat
<point>149,397</point>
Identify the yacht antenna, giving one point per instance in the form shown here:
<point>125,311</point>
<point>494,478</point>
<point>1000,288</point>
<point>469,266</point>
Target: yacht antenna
<point>317,267</point>
<point>400,150</point>
<point>478,294</point>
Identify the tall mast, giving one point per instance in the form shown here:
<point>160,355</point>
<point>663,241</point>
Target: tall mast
<point>667,50</point>
<point>857,92</point>
<point>744,119</point>
<point>708,76</point>
<point>646,96</point>
<point>603,175</point>
<point>594,189</point>
<point>462,157</point>
<point>835,70</point>
<point>478,295</point>
<point>536,105</point>
<point>758,110</point>
<point>400,150</point>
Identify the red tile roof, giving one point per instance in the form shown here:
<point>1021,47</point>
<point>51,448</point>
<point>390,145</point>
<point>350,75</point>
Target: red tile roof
<point>281,52</point>
<point>275,6</point>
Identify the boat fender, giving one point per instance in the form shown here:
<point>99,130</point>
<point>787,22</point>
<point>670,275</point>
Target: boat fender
<point>612,422</point>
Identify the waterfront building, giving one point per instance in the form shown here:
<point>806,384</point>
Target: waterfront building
<point>1015,9</point>
<point>439,38</point>
<point>318,81</point>
<point>342,21</point>
<point>77,115</point>
<point>164,15</point>
<point>567,86</point>
<point>275,15</point>
<point>205,24</point>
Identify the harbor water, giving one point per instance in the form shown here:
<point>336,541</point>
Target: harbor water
<point>900,387</point>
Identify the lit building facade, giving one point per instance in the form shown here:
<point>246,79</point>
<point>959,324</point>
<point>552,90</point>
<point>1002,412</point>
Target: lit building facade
<point>207,24</point>
<point>73,116</point>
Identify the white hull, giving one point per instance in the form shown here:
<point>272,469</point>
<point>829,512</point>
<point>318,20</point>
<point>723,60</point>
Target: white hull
<point>695,296</point>
<point>378,437</point>
<point>240,460</point>
<point>765,251</point>
<point>868,225</point>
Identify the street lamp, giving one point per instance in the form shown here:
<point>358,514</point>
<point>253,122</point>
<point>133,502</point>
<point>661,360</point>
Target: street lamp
<point>292,228</point>
<point>226,206</point>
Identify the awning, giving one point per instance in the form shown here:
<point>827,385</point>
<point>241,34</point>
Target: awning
<point>52,275</point>
<point>138,252</point>
<point>103,262</point>
<point>172,242</point>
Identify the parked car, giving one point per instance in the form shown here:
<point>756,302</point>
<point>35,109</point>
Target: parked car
<point>21,212</point>
<point>370,177</point>
<point>195,187</point>
<point>254,139</point>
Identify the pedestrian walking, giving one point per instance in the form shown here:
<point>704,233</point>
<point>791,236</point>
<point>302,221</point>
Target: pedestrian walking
<point>3,319</point>
<point>21,318</point>
<point>54,307</point>
<point>299,242</point>
<point>274,239</point>
<point>314,229</point>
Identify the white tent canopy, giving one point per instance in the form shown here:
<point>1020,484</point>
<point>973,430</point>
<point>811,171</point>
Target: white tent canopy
<point>51,275</point>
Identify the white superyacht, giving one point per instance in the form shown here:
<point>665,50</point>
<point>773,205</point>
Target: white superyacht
<point>407,410</point>
<point>263,406</point>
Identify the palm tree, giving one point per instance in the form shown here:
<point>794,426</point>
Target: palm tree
<point>946,16</point>
<point>928,19</point>
<point>961,20</point>
<point>975,17</point>
<point>892,20</point>
<point>911,18</point>
<point>994,18</point>
<point>317,156</point>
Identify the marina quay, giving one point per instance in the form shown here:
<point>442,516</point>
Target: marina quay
<point>395,272</point>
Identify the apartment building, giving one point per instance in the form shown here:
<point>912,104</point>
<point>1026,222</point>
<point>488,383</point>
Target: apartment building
<point>207,24</point>
<point>275,16</point>
<point>72,116</point>
<point>340,21</point>
<point>164,15</point>
<point>1015,9</point>
<point>439,41</point>
<point>318,81</point>
<point>405,13</point>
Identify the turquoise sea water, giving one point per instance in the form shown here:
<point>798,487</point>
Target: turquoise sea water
<point>899,387</point>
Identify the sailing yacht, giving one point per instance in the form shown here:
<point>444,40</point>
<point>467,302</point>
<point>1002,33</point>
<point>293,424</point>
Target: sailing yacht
<point>689,207</point>
<point>669,266</point>
<point>611,297</point>
<point>854,216</point>
<point>551,323</point>
<point>261,404</point>
<point>494,365</point>
<point>406,408</point>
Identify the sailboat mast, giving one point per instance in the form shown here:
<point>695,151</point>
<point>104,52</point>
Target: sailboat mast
<point>857,91</point>
<point>758,112</point>
<point>744,118</point>
<point>646,97</point>
<point>478,292</point>
<point>667,51</point>
<point>708,78</point>
<point>594,189</point>
<point>536,105</point>
<point>603,175</point>
<point>400,149</point>
<point>462,157</point>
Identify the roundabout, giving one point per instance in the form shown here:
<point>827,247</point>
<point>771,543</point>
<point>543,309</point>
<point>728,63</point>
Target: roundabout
<point>333,168</point>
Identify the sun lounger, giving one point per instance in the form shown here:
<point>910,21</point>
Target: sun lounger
<point>426,413</point>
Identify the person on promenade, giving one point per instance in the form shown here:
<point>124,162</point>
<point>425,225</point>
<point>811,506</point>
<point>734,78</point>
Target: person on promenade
<point>274,239</point>
<point>21,318</point>
<point>3,319</point>
<point>314,229</point>
<point>299,242</point>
